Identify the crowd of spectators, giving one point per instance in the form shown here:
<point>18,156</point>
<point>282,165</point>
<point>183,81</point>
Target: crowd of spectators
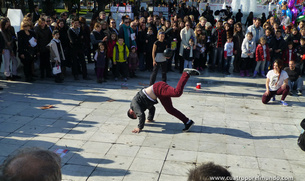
<point>197,41</point>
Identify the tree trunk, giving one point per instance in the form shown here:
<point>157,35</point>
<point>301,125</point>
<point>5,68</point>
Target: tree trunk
<point>102,4</point>
<point>22,7</point>
<point>48,7</point>
<point>68,5</point>
<point>31,5</point>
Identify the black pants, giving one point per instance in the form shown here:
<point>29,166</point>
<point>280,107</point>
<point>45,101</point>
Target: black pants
<point>153,76</point>
<point>246,63</point>
<point>237,61</point>
<point>201,61</point>
<point>45,67</point>
<point>27,67</point>
<point>149,61</point>
<point>217,58</point>
<point>78,59</point>
<point>121,67</point>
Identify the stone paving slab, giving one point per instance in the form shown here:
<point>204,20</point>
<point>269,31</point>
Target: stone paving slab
<point>232,128</point>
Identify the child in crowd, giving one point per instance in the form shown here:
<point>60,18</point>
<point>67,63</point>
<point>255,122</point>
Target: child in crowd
<point>268,36</point>
<point>301,55</point>
<point>295,37</point>
<point>289,54</point>
<point>262,55</point>
<point>188,54</point>
<point>100,58</point>
<point>133,61</point>
<point>110,46</point>
<point>228,53</point>
<point>247,55</point>
<point>302,32</point>
<point>200,52</point>
<point>149,42</point>
<point>56,55</point>
<point>120,55</point>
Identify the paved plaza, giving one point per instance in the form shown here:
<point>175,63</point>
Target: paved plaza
<point>232,128</point>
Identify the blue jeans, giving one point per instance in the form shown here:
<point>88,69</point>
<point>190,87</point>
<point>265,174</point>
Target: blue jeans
<point>298,84</point>
<point>227,64</point>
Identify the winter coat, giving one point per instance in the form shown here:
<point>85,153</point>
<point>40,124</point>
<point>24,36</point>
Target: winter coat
<point>248,47</point>
<point>184,41</point>
<point>54,53</point>
<point>260,53</point>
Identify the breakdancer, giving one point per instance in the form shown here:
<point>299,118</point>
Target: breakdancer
<point>147,97</point>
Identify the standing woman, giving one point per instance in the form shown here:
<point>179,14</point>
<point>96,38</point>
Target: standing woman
<point>44,36</point>
<point>276,83</point>
<point>159,60</point>
<point>186,34</point>
<point>9,53</point>
<point>85,28</point>
<point>141,45</point>
<point>249,21</point>
<point>27,50</point>
<point>65,42</point>
<point>238,38</point>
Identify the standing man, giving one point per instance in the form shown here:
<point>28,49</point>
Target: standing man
<point>147,97</point>
<point>256,30</point>
<point>76,38</point>
<point>239,15</point>
<point>36,14</point>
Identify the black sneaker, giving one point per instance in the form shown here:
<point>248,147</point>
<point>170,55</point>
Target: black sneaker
<point>191,71</point>
<point>188,126</point>
<point>290,93</point>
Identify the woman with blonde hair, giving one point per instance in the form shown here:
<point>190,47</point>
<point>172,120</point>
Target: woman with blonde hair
<point>27,50</point>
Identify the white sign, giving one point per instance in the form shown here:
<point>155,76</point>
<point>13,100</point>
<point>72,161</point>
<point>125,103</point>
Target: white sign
<point>113,9</point>
<point>128,8</point>
<point>16,17</point>
<point>121,9</point>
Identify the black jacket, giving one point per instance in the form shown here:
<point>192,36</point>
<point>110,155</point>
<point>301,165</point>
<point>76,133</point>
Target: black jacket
<point>277,44</point>
<point>76,41</point>
<point>139,104</point>
<point>300,50</point>
<point>44,36</point>
<point>24,46</point>
<point>149,43</point>
<point>2,44</point>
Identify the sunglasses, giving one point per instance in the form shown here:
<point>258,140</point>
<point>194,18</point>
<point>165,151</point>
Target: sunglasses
<point>187,25</point>
<point>127,22</point>
<point>112,22</point>
<point>48,21</point>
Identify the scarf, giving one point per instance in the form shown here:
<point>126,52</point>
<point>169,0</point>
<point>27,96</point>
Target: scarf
<point>127,31</point>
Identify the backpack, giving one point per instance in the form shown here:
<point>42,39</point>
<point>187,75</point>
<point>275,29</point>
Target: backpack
<point>301,139</point>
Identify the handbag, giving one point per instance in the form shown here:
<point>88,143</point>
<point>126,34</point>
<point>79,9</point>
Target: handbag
<point>56,69</point>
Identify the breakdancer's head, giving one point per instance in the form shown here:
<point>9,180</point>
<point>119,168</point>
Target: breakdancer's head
<point>131,114</point>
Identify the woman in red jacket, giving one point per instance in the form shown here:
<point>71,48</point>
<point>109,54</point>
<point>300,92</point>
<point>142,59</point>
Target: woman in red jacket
<point>262,55</point>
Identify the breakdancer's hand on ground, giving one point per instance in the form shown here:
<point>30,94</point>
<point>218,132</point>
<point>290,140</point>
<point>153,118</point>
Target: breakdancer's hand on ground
<point>136,130</point>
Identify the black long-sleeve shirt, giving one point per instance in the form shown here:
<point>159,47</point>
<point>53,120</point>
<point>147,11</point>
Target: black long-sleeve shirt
<point>139,104</point>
